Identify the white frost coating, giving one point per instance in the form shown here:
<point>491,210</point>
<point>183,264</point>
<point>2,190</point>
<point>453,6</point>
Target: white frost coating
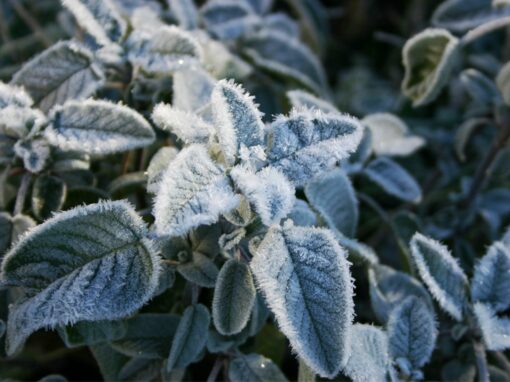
<point>305,277</point>
<point>302,214</point>
<point>11,95</point>
<point>157,167</point>
<point>236,117</point>
<point>97,127</point>
<point>369,360</point>
<point>185,12</point>
<point>268,191</point>
<point>495,330</point>
<point>76,267</point>
<point>301,99</point>
<point>390,135</point>
<point>188,127</point>
<point>491,281</point>
<point>441,273</point>
<point>308,142</point>
<point>193,191</point>
<point>192,88</point>
<point>34,152</point>
<point>18,122</point>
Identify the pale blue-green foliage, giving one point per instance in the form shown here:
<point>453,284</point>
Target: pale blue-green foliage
<point>333,196</point>
<point>190,337</point>
<point>109,361</point>
<point>229,19</point>
<point>234,297</point>
<point>481,89</point>
<point>218,343</point>
<point>254,368</point>
<point>97,127</point>
<point>411,334</point>
<point>491,280</point>
<point>99,18</point>
<point>192,88</point>
<point>200,270</point>
<point>194,191</point>
<point>69,73</point>
<point>441,273</point>
<point>304,275</point>
<point>141,369</point>
<point>306,143</point>
<point>157,167</point>
<point>13,96</point>
<point>237,120</point>
<point>260,6</point>
<point>48,196</point>
<point>495,330</point>
<point>389,287</point>
<point>75,267</point>
<point>275,52</point>
<point>35,153</point>
<point>302,214</point>
<point>369,359</point>
<point>281,23</point>
<point>148,335</point>
<point>393,179</point>
<point>302,99</point>
<point>185,12</point>
<point>163,50</point>
<point>359,253</point>
<point>268,190</point>
<point>92,332</point>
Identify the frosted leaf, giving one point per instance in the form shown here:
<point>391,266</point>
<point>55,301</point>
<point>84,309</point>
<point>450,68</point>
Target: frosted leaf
<point>193,191</point>
<point>268,191</point>
<point>389,287</point>
<point>281,23</point>
<point>200,270</point>
<point>254,368</point>
<point>190,337</point>
<point>99,18</point>
<point>92,332</point>
<point>217,343</point>
<point>62,72</point>
<point>390,135</point>
<point>275,52</point>
<point>234,296</point>
<point>260,6</point>
<point>185,12</point>
<point>98,127</point>
<point>141,369</point>
<point>302,214</point>
<point>192,88</point>
<point>303,100</point>
<point>428,59</point>
<point>360,253</point>
<point>157,167</point>
<point>187,126</point>
<point>89,263</point>
<point>229,19</point>
<point>48,196</point>
<point>148,335</point>
<point>236,117</point>
<point>13,96</point>
<point>462,15</point>
<point>108,360</point>
<point>480,88</point>
<point>18,122</point>
<point>503,82</point>
<point>333,196</point>
<point>163,50</point>
<point>491,280</point>
<point>35,153</point>
<point>305,278</point>
<point>441,273</point>
<point>393,179</point>
<point>465,131</point>
<point>369,360</point>
<point>495,330</point>
<point>306,143</point>
<point>412,332</point>
<point>146,18</point>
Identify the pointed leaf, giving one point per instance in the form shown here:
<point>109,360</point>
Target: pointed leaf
<point>428,60</point>
<point>190,337</point>
<point>309,142</point>
<point>441,273</point>
<point>305,277</point>
<point>412,332</point>
<point>63,72</point>
<point>302,214</point>
<point>495,330</point>
<point>390,135</point>
<point>192,88</point>
<point>157,167</point>
<point>99,18</point>
<point>237,120</point>
<point>360,253</point>
<point>393,179</point>
<point>92,332</point>
<point>369,360</point>
<point>254,368</point>
<point>185,12</point>
<point>98,127</point>
<point>228,19</point>
<point>234,297</point>
<point>200,270</point>
<point>75,266</point>
<point>268,191</point>
<point>48,196</point>
<point>300,99</point>
<point>332,195</point>
<point>194,191</point>
<point>491,281</point>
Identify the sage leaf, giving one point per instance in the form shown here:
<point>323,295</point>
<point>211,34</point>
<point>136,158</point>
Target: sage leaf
<point>48,196</point>
<point>92,332</point>
<point>89,263</point>
<point>495,330</point>
<point>304,275</point>
<point>254,368</point>
<point>157,167</point>
<point>302,214</point>
<point>200,270</point>
<point>185,12</point>
<point>300,99</point>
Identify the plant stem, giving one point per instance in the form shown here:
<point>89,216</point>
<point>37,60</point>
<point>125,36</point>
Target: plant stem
<point>22,193</point>
<point>215,370</point>
<point>481,361</point>
<point>305,374</point>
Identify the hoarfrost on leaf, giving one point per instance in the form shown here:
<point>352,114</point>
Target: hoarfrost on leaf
<point>495,330</point>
